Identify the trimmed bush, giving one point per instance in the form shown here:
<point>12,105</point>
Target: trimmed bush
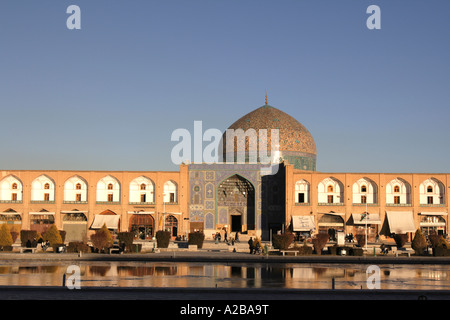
<point>319,242</point>
<point>361,240</point>
<point>419,243</point>
<point>305,249</point>
<point>102,239</point>
<point>14,236</point>
<point>162,239</point>
<point>77,246</point>
<point>196,238</point>
<point>5,236</point>
<point>400,239</point>
<point>282,241</point>
<point>28,236</point>
<point>53,236</point>
<point>127,238</point>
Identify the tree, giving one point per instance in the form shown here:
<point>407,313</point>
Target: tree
<point>282,241</point>
<point>5,236</point>
<point>162,239</point>
<point>419,242</point>
<point>53,236</point>
<point>319,242</point>
<point>102,239</point>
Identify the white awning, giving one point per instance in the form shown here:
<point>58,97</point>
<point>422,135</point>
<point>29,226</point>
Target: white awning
<point>11,213</point>
<point>434,213</point>
<point>401,221</point>
<point>371,218</point>
<point>334,213</point>
<point>41,213</point>
<point>303,223</point>
<point>111,221</point>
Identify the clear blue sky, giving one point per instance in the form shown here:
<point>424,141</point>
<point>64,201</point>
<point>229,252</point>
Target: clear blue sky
<point>108,96</point>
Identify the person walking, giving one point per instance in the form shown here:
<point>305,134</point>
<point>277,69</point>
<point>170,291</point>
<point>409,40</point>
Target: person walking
<point>250,245</point>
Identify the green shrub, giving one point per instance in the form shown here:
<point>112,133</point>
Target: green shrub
<point>196,238</point>
<point>282,241</point>
<point>419,242</point>
<point>319,242</point>
<point>5,236</point>
<point>28,235</point>
<point>102,239</point>
<point>127,238</point>
<point>14,236</point>
<point>361,240</point>
<point>77,246</point>
<point>305,249</point>
<point>62,233</point>
<point>162,239</point>
<point>53,236</point>
<point>438,241</point>
<point>400,239</point>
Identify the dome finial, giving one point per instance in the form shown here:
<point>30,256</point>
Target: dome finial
<point>266,98</point>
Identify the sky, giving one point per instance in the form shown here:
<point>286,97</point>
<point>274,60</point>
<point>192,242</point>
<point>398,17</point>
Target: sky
<point>109,95</point>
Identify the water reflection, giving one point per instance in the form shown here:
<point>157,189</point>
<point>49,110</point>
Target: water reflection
<point>299,276</point>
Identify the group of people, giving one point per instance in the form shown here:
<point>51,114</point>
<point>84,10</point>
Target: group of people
<point>218,237</point>
<point>254,246</point>
<point>34,243</point>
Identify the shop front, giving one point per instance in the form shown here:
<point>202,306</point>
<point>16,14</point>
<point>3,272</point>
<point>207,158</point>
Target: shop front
<point>433,223</point>
<point>366,224</point>
<point>331,223</point>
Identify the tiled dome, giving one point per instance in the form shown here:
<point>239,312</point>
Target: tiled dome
<point>296,143</point>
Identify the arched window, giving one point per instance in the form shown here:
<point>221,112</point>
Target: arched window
<point>75,189</point>
<point>396,189</point>
<point>330,189</point>
<point>43,189</point>
<point>432,192</point>
<point>302,191</point>
<point>170,192</point>
<point>108,190</point>
<point>14,186</point>
<point>363,189</point>
<point>142,190</point>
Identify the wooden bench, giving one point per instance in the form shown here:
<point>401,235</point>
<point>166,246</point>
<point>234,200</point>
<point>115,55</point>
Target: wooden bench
<point>23,249</point>
<point>111,250</point>
<point>286,251</point>
<point>407,252</point>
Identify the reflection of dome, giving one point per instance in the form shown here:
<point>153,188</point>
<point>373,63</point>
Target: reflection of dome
<point>296,145</point>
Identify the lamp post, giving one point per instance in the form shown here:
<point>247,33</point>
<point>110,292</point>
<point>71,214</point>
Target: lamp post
<point>367,215</point>
<point>164,212</point>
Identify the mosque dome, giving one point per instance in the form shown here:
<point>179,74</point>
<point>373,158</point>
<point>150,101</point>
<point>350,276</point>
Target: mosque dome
<point>296,144</point>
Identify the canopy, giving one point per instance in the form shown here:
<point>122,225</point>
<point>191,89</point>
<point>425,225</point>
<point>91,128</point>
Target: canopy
<point>361,218</point>
<point>401,221</point>
<point>111,221</point>
<point>303,223</point>
<point>434,213</point>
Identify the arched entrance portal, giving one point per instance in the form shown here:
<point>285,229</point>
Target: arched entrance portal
<point>142,225</point>
<point>171,225</point>
<point>236,197</point>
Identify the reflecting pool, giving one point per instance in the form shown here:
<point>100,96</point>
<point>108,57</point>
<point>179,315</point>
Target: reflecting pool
<point>232,275</point>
